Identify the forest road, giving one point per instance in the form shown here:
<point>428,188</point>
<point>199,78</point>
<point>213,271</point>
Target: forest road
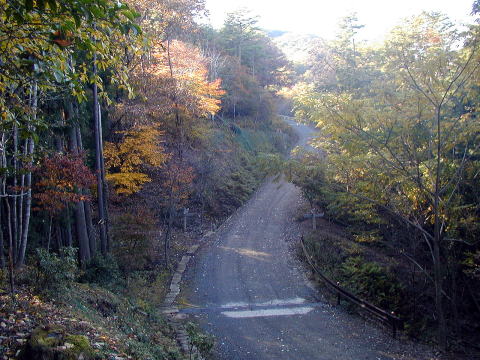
<point>247,289</point>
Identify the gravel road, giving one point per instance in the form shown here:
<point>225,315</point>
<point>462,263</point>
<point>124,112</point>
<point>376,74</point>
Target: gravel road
<point>248,290</point>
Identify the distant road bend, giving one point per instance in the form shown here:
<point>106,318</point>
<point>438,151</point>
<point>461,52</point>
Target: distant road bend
<point>249,291</point>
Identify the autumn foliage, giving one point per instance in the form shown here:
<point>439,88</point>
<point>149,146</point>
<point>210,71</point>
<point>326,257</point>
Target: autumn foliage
<point>62,179</point>
<point>172,79</point>
<point>127,159</point>
<point>177,184</point>
<point>186,69</point>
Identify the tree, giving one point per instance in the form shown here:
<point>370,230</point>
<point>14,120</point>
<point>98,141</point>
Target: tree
<point>401,144</point>
<point>62,179</point>
<point>176,189</point>
<point>343,64</point>
<point>125,160</point>
<point>45,49</point>
<point>174,89</point>
<point>238,32</point>
<point>241,38</point>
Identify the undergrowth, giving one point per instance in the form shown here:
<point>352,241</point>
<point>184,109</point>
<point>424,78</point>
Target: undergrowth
<point>347,263</point>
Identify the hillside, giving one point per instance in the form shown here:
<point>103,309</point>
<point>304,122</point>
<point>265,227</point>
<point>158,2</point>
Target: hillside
<point>296,47</point>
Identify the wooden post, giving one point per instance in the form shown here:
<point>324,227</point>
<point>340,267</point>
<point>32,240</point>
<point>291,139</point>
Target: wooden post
<point>185,213</point>
<point>314,217</point>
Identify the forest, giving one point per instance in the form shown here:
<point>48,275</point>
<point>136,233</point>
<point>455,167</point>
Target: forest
<point>118,117</point>
<point>398,167</point>
<point>130,128</point>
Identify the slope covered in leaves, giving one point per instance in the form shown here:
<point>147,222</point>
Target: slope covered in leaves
<point>114,326</point>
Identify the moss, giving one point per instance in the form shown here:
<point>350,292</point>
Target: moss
<point>53,343</point>
<point>81,345</point>
<point>46,337</point>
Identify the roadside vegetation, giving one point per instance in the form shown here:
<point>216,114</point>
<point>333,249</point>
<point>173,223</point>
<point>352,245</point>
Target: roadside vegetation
<point>398,131</point>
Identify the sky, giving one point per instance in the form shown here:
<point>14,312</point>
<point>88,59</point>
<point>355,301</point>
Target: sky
<point>320,17</point>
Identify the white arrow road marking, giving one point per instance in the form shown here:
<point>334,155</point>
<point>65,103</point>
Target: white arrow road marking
<point>268,312</point>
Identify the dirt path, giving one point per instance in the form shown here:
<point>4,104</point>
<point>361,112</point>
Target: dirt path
<point>248,290</point>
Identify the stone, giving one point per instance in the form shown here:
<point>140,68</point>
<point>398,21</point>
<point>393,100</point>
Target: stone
<point>53,342</point>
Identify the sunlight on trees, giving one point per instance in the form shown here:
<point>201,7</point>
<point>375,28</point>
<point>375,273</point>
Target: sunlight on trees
<point>399,127</point>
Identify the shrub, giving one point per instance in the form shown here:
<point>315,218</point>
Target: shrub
<point>147,287</point>
<point>203,342</point>
<point>56,272</point>
<point>372,282</point>
<point>102,270</point>
<point>134,246</point>
<point>327,254</point>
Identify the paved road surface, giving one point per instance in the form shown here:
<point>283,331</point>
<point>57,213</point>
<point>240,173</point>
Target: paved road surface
<point>249,291</point>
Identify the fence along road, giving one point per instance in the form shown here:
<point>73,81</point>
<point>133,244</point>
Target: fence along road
<point>247,289</point>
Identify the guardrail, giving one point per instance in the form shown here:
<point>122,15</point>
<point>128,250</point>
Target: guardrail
<point>380,314</point>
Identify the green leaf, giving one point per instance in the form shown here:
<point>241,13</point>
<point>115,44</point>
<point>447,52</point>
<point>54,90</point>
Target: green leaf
<point>35,138</point>
<point>97,12</point>
<point>69,25</point>
<point>135,29</point>
<point>18,17</point>
<point>129,15</point>
<point>58,76</point>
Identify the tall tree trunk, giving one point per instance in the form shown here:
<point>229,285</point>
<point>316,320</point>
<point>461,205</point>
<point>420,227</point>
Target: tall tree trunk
<point>21,199</point>
<point>2,186</point>
<point>169,228</point>
<point>2,245</point>
<point>437,261</point>
<point>178,118</point>
<point>90,229</point>
<point>3,161</point>
<point>28,200</point>
<point>49,236</point>
<point>10,249</point>
<point>68,233</point>
<point>166,243</point>
<point>104,182</point>
<point>80,223</point>
<point>456,315</point>
<point>14,199</point>
<point>98,165</point>
<point>88,206</point>
<point>81,228</point>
